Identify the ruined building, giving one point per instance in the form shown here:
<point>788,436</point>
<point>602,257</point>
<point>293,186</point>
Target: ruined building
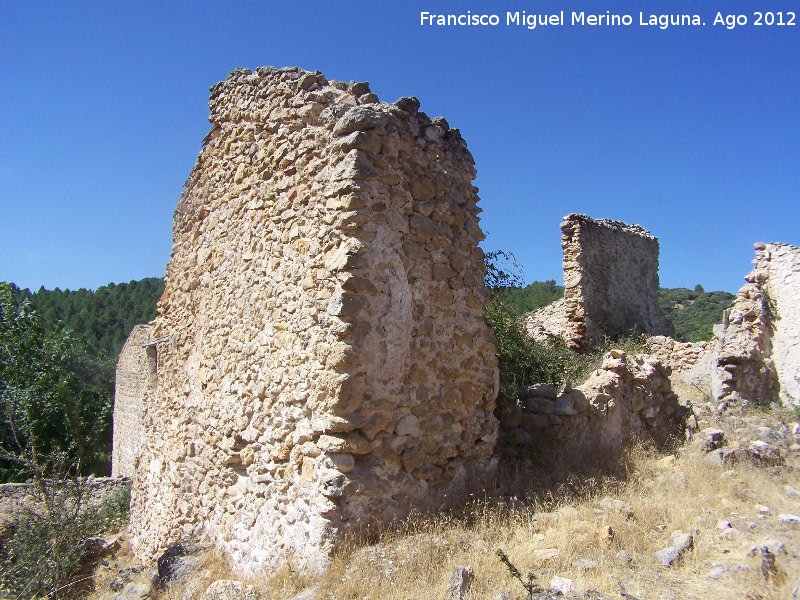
<point>610,284</point>
<point>320,361</point>
<point>755,353</point>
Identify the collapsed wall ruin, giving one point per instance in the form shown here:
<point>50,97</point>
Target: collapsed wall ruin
<point>755,353</point>
<point>610,284</point>
<point>324,363</point>
<point>626,398</point>
<point>758,342</point>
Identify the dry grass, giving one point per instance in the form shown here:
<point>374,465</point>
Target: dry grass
<point>415,561</point>
<point>555,504</point>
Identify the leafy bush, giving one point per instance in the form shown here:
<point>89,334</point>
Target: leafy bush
<point>523,361</point>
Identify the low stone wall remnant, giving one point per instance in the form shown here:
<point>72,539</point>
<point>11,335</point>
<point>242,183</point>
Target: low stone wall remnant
<point>627,398</point>
<point>691,365</point>
<point>15,498</point>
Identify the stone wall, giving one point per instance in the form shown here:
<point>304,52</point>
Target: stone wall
<point>610,279</point>
<point>782,263</point>
<point>135,372</point>
<point>758,342</point>
<point>326,364</point>
<point>628,397</point>
<point>691,365</point>
<point>18,497</point>
<point>610,284</point>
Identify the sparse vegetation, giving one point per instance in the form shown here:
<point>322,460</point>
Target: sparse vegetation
<point>569,518</point>
<point>529,583</point>
<point>44,555</point>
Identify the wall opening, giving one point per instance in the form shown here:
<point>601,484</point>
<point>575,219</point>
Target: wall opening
<point>152,366</point>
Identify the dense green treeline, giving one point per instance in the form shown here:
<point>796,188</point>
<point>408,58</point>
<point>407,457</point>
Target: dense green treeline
<point>104,318</point>
<point>532,296</point>
<point>693,313</point>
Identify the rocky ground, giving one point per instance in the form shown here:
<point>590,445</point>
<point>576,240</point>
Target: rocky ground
<point>717,518</point>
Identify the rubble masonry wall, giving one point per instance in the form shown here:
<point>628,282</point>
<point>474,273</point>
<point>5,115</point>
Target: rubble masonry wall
<point>782,262</point>
<point>610,279</point>
<point>327,363</point>
<point>758,342</point>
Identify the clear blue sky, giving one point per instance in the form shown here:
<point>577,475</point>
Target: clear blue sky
<point>692,132</point>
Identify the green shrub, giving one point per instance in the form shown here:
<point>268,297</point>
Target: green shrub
<point>46,554</point>
<point>524,361</point>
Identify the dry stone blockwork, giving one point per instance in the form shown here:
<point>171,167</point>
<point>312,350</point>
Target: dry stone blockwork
<point>610,279</point>
<point>691,365</point>
<point>136,370</point>
<point>16,498</point>
<point>327,363</point>
<point>610,284</point>
<point>628,397</point>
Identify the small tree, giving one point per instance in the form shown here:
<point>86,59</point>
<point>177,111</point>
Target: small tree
<point>55,397</point>
<point>523,361</point>
<point>50,403</point>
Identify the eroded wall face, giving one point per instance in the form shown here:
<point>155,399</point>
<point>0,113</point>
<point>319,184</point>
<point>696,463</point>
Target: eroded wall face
<point>783,286</point>
<point>132,380</point>
<point>610,280</point>
<point>627,398</point>
<point>328,365</point>
<point>759,339</point>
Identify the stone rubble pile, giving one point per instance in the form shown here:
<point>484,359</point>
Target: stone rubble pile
<point>626,398</point>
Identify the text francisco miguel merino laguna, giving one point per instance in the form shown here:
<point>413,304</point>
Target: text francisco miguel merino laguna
<point>577,18</point>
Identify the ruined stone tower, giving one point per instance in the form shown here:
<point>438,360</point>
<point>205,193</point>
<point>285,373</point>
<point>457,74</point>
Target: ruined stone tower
<point>610,284</point>
<point>324,361</point>
<point>610,279</point>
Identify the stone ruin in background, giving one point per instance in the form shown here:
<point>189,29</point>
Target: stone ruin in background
<point>610,284</point>
<point>136,371</point>
<point>611,288</point>
<point>320,361</point>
